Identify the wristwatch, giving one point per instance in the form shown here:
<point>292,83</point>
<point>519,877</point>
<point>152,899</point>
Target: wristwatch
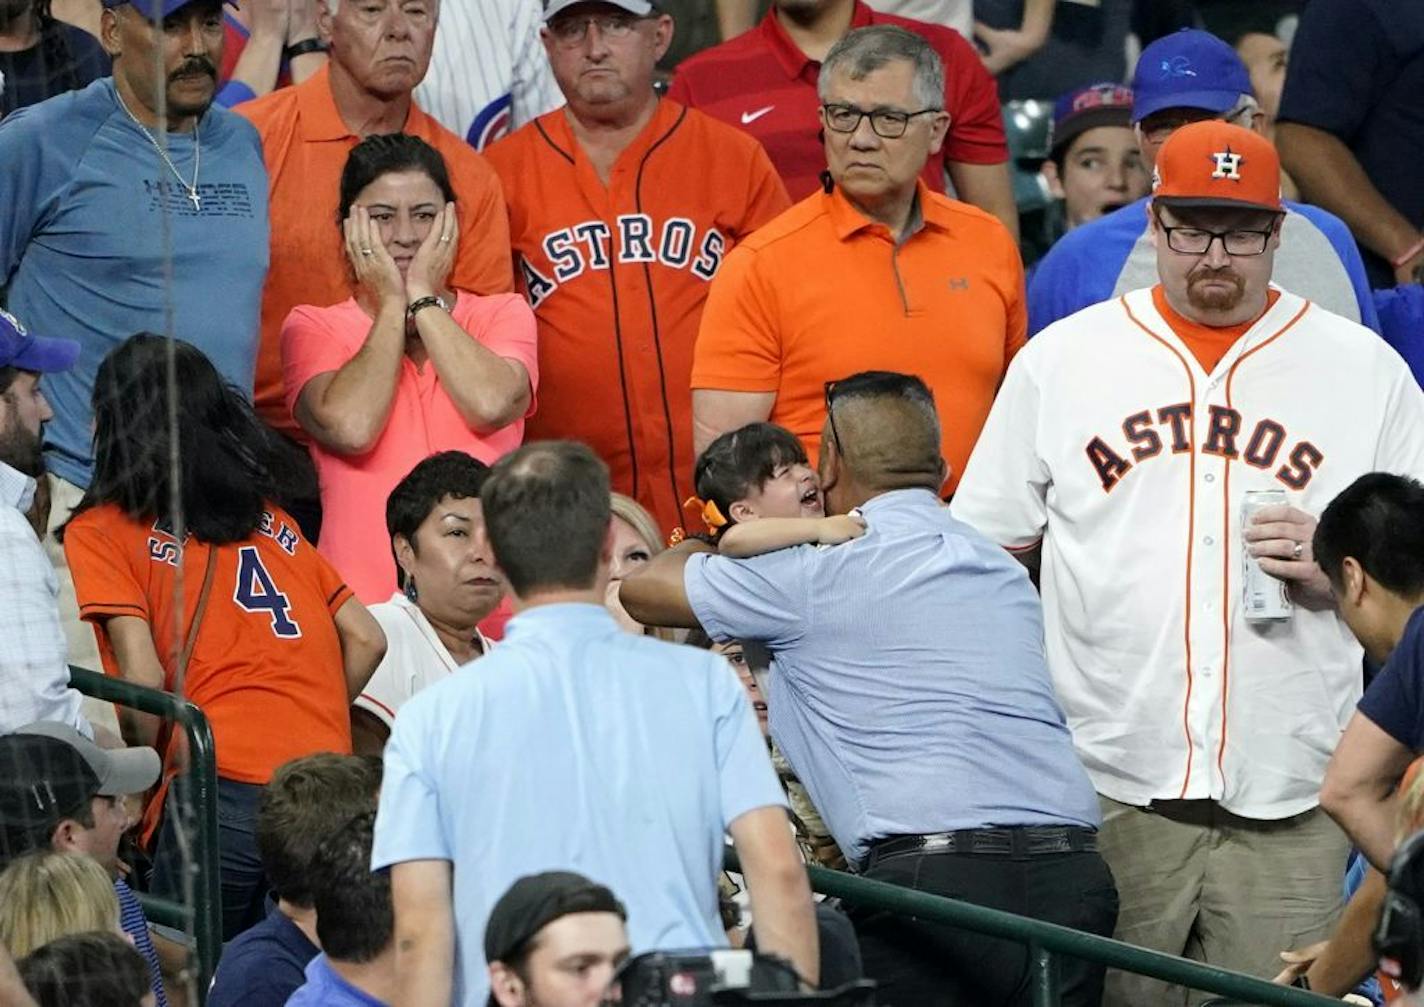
<point>428,301</point>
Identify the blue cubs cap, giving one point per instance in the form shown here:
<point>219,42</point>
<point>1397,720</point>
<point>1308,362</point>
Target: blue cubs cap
<point>156,8</point>
<point>1188,69</point>
<point>1085,108</point>
<point>32,353</point>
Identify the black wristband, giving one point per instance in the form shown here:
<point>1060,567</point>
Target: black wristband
<point>303,47</point>
<point>428,301</point>
<point>1302,982</point>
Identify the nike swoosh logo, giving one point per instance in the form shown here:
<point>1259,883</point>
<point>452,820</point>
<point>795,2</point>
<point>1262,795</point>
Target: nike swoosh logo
<point>750,117</point>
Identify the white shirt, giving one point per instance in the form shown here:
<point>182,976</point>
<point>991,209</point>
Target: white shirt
<point>488,73</point>
<point>34,668</point>
<point>956,14</point>
<point>415,658</point>
<point>1170,692</point>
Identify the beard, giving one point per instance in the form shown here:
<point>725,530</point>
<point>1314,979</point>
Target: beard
<point>1215,300</point>
<point>21,450</point>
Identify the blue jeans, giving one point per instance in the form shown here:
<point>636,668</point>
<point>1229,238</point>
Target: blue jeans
<point>244,885</point>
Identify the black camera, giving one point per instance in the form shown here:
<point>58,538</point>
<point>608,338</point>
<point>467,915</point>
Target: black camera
<point>728,976</point>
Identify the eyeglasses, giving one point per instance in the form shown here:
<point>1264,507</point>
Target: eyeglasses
<point>1156,128</point>
<point>570,31</point>
<point>888,123</point>
<point>1197,240</point>
<point>831,412</point>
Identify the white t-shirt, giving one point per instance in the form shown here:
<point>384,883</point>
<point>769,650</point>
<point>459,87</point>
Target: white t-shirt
<point>956,14</point>
<point>415,658</point>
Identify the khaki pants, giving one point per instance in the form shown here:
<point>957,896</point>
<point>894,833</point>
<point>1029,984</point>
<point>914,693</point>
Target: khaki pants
<point>79,635</point>
<point>1195,880</point>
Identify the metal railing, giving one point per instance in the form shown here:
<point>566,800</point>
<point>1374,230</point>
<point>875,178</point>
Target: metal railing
<point>1046,942</point>
<point>204,918</point>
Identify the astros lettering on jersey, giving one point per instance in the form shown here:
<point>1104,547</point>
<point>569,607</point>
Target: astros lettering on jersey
<point>1111,445</point>
<point>617,275</point>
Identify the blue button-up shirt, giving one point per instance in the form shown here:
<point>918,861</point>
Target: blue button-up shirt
<point>908,688</point>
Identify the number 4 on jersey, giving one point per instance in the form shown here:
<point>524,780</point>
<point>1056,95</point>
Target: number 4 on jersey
<point>257,592</point>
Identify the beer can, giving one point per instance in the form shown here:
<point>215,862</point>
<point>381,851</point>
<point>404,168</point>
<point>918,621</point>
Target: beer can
<point>1264,598</point>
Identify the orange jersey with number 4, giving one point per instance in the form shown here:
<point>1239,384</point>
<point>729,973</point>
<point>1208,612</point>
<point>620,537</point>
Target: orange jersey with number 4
<point>266,666</point>
<point>617,273</point>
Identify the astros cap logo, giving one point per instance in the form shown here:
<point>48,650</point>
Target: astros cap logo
<point>1214,163</point>
<point>1228,164</point>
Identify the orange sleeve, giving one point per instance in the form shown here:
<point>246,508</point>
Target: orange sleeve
<point>1015,304</point>
<point>102,566</point>
<point>738,342</point>
<point>766,192</point>
<point>482,265</point>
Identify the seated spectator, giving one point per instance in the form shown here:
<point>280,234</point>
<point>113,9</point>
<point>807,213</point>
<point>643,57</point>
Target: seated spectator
<point>1266,57</point>
<point>596,722</point>
<point>269,641</point>
<point>41,57</point>
<point>87,970</point>
<point>554,940</point>
<point>407,361</point>
<point>60,791</point>
<point>1370,544</point>
<point>987,800</point>
<point>357,965</point>
<point>264,965</point>
<point>447,585</point>
<point>1094,165</point>
<point>46,894</point>
<point>266,45</point>
<point>34,673</point>
<point>1107,257</point>
<point>636,540</point>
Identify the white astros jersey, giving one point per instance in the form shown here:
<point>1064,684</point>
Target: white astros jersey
<point>1110,443</point>
<point>488,72</point>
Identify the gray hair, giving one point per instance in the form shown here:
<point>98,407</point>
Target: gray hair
<point>861,52</point>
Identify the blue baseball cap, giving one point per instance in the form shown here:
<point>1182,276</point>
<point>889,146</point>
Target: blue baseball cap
<point>33,353</point>
<point>163,7</point>
<point>1188,69</point>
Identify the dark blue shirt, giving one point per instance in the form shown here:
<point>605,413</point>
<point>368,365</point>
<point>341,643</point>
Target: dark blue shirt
<point>135,924</point>
<point>262,966</point>
<point>1394,702</point>
<point>64,59</point>
<point>1357,72</point>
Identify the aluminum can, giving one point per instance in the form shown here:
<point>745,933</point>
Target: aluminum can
<point>1263,597</point>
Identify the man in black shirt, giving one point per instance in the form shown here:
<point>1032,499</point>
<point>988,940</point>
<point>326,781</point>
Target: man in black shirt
<point>41,57</point>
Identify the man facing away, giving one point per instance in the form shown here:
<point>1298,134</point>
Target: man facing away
<point>620,756</point>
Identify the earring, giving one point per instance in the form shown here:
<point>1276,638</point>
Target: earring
<point>410,592</point>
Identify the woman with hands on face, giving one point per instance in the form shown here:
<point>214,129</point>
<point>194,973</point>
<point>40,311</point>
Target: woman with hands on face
<point>407,366</point>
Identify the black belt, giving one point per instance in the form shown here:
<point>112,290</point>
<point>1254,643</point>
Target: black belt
<point>1020,841</point>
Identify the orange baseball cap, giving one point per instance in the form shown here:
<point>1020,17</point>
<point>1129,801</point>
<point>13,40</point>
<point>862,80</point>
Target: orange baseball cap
<point>1214,163</point>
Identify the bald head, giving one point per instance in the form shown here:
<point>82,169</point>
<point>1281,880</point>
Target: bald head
<point>885,433</point>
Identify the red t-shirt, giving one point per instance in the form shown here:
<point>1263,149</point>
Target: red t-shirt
<point>762,83</point>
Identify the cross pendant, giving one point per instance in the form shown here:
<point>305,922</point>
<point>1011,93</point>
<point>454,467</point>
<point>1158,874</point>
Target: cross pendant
<point>196,199</point>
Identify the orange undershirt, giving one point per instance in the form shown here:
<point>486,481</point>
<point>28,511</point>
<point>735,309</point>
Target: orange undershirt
<point>1207,343</point>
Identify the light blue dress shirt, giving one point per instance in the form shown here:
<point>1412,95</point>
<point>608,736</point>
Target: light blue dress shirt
<point>576,746</point>
<point>908,687</point>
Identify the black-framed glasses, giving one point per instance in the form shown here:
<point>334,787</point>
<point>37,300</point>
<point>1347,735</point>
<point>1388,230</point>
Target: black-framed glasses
<point>1197,240</point>
<point>571,31</point>
<point>888,123</point>
<point>830,390</point>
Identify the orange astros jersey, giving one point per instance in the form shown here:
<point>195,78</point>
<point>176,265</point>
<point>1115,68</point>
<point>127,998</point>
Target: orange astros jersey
<point>266,667</point>
<point>617,274</point>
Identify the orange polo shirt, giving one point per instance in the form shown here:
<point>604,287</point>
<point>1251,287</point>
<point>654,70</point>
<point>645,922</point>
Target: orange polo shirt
<point>823,292</point>
<point>305,143</point>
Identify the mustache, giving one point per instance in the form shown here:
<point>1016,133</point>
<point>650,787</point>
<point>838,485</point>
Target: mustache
<point>1215,273</point>
<point>197,64</point>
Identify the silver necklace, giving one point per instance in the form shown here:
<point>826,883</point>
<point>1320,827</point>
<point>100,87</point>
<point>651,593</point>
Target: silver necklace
<point>192,190</point>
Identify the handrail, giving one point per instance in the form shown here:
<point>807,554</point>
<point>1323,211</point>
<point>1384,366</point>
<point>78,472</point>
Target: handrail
<point>1047,940</point>
<point>201,780</point>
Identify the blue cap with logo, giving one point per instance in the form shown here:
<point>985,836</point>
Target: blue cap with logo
<point>152,9</point>
<point>18,348</point>
<point>1188,69</point>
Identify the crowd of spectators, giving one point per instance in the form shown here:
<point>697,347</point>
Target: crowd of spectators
<point>551,452</point>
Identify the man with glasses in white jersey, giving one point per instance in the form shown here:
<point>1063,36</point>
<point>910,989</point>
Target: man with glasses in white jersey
<point>1185,77</point>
